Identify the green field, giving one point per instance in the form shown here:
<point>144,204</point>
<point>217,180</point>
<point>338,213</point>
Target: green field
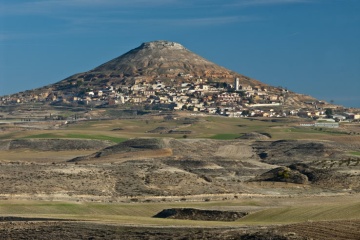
<point>141,213</point>
<point>225,136</point>
<point>213,127</point>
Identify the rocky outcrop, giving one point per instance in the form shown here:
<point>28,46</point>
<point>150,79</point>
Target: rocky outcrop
<point>283,152</point>
<point>199,214</point>
<point>283,174</point>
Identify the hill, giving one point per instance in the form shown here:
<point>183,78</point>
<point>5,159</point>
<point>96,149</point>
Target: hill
<point>157,60</point>
<point>161,73</point>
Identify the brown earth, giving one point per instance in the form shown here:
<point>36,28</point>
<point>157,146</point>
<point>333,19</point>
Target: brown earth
<point>340,230</point>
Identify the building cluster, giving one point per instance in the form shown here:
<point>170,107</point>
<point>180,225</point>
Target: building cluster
<point>233,100</point>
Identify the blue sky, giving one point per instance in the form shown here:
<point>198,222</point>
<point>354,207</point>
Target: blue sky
<point>309,46</point>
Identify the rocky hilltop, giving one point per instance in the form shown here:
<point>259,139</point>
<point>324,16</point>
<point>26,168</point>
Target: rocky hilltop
<point>159,60</point>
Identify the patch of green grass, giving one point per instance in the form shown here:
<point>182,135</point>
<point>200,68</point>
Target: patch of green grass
<point>78,136</point>
<point>96,137</point>
<point>355,153</point>
<point>225,136</point>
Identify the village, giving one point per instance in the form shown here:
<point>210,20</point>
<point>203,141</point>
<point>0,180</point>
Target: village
<point>231,100</point>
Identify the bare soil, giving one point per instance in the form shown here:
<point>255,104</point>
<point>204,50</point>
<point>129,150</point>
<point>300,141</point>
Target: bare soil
<point>37,229</point>
<point>86,230</point>
<point>340,230</point>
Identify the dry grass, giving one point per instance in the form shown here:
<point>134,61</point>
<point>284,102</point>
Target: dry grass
<point>32,156</point>
<point>276,211</point>
<point>323,212</point>
<point>140,155</point>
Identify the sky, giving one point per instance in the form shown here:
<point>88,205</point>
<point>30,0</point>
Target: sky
<point>308,46</point>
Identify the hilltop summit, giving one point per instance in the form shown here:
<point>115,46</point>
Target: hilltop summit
<point>162,60</point>
<point>161,44</point>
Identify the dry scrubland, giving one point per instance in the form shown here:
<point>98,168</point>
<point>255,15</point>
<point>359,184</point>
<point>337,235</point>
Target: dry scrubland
<point>116,173</point>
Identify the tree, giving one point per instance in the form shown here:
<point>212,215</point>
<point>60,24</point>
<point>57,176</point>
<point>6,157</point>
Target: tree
<point>242,93</point>
<point>218,110</point>
<point>245,112</point>
<point>79,83</point>
<point>251,100</point>
<point>328,112</point>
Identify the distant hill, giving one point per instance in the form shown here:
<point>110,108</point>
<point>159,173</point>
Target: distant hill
<point>131,78</point>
